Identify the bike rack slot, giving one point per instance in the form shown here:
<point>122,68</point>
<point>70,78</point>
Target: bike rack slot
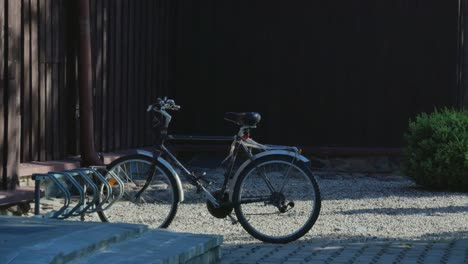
<point>88,208</point>
<point>112,179</point>
<point>59,184</point>
<point>107,195</point>
<point>79,206</point>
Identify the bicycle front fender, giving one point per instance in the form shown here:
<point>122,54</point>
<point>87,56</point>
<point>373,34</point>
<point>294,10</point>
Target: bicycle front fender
<point>291,154</point>
<point>168,166</point>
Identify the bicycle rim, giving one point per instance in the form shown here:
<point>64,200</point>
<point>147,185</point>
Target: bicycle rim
<point>277,201</point>
<point>157,204</point>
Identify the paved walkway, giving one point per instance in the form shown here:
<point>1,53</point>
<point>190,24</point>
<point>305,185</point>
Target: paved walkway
<point>335,252</point>
<point>31,240</point>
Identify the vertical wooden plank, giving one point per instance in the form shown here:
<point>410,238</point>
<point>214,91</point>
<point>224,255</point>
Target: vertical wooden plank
<point>42,79</point>
<point>100,71</point>
<point>3,182</point>
<point>61,80</point>
<point>105,113</point>
<point>49,131</point>
<point>55,80</point>
<point>124,68</point>
<point>13,126</point>
<point>111,76</point>
<point>141,72</point>
<point>70,92</point>
<point>34,80</point>
<point>26,127</point>
<point>131,74</point>
<point>96,23</point>
<point>149,69</point>
<point>117,113</point>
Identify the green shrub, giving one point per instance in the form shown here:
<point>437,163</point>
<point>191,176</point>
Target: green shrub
<point>436,153</point>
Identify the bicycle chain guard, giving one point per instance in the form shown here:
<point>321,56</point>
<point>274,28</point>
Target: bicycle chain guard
<point>225,208</point>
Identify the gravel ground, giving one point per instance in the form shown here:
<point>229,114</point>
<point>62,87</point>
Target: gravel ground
<point>358,208</point>
<point>355,208</point>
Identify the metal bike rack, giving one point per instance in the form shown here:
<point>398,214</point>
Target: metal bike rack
<point>83,190</point>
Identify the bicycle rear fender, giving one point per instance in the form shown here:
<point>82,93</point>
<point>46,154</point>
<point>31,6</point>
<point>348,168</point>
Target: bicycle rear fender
<point>168,166</point>
<point>291,154</point>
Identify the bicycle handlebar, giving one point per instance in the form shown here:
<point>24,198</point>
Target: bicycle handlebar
<point>163,104</point>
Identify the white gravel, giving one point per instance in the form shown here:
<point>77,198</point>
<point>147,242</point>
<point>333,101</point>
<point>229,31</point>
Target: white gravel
<point>355,208</point>
<point>358,208</point>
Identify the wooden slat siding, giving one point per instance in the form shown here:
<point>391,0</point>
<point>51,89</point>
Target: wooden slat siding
<point>94,57</point>
<point>71,90</point>
<point>49,94</point>
<point>110,129</point>
<point>99,74</point>
<point>136,52</point>
<point>97,70</point>
<point>105,72</point>
<point>149,72</point>
<point>62,82</point>
<point>137,114</point>
<point>118,99</point>
<point>172,33</point>
<point>131,74</point>
<point>3,180</point>
<point>159,51</point>
<point>162,54</point>
<point>26,128</point>
<point>138,74</point>
<point>124,74</point>
<point>56,79</point>
<point>153,62</point>
<point>141,77</point>
<point>34,80</point>
<point>42,80</point>
<point>148,69</point>
<point>13,100</point>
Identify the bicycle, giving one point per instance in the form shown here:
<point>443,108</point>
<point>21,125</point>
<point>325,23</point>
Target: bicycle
<point>274,182</point>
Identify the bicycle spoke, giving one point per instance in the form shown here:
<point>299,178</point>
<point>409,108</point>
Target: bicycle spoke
<point>264,176</point>
<point>286,179</point>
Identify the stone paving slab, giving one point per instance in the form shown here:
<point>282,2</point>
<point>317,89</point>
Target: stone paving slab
<point>35,240</point>
<point>161,246</point>
<point>451,251</point>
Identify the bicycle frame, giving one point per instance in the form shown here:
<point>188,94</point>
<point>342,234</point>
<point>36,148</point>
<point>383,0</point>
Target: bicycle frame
<point>240,141</point>
<point>244,143</point>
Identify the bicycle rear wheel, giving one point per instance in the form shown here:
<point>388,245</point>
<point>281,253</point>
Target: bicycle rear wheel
<point>156,206</point>
<point>276,200</point>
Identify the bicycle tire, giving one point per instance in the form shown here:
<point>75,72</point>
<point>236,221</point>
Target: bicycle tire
<point>272,224</point>
<point>131,170</point>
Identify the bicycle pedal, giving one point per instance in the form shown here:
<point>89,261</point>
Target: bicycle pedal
<point>233,219</point>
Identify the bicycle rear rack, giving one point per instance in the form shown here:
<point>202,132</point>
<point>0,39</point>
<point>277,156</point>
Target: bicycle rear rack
<point>83,190</point>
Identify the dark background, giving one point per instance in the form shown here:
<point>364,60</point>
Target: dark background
<point>343,74</point>
<point>321,73</point>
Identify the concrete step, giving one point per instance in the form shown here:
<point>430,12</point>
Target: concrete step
<point>35,240</point>
<point>161,246</point>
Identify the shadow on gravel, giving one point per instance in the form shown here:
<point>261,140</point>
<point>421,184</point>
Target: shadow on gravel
<point>448,235</point>
<point>368,188</point>
<point>410,211</point>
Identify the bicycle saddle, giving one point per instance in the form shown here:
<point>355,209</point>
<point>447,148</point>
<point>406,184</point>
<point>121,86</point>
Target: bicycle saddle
<point>243,119</point>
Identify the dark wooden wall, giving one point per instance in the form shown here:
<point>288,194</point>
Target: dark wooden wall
<point>131,51</point>
<point>322,73</point>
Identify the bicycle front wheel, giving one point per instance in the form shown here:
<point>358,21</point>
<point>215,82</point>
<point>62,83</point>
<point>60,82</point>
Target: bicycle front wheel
<point>276,200</point>
<point>155,206</point>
